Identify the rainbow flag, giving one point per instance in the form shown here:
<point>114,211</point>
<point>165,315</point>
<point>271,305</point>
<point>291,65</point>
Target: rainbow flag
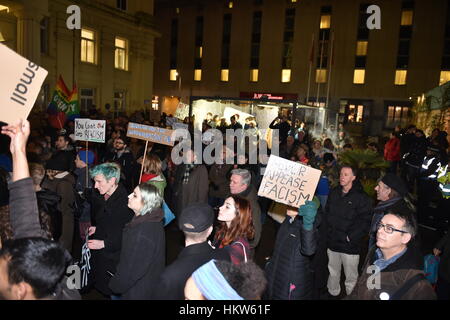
<point>64,105</point>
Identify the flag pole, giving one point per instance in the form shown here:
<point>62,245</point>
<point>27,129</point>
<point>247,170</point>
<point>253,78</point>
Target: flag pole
<point>330,68</point>
<point>311,59</point>
<point>320,67</point>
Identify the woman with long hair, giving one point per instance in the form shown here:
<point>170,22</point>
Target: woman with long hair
<point>142,258</point>
<point>152,173</point>
<point>236,228</point>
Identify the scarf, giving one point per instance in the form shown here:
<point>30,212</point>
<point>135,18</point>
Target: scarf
<point>187,172</point>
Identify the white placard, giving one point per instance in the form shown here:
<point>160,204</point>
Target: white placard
<point>90,130</point>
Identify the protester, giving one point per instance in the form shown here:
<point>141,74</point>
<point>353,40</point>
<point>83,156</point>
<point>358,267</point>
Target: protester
<point>59,180</point>
<point>142,255</point>
<point>221,280</point>
<point>152,173</point>
<point>393,263</point>
<point>280,123</point>
<point>23,272</point>
<point>289,269</point>
<point>191,183</point>
<point>196,222</point>
<point>392,152</point>
<point>348,212</point>
<point>236,229</point>
<point>240,185</point>
<point>219,187</point>
<point>110,213</point>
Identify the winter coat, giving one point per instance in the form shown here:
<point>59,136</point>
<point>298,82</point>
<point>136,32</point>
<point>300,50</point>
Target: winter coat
<point>288,271</point>
<point>172,281</point>
<point>25,223</point>
<point>142,258</point>
<point>109,217</point>
<point>393,277</point>
<point>348,215</point>
<point>239,250</point>
<point>250,195</point>
<point>64,185</point>
<point>444,265</point>
<point>48,202</point>
<point>392,149</point>
<point>219,186</point>
<point>195,191</point>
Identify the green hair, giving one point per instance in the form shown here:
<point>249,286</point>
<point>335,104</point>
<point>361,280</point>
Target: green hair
<point>108,170</point>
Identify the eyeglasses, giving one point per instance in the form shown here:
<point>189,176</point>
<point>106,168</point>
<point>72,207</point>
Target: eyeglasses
<point>388,229</point>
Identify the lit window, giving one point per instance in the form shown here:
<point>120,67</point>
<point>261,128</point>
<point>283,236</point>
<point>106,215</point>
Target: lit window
<point>121,54</point>
<point>400,77</point>
<point>445,76</point>
<point>224,73</point>
<point>230,4</point>
<point>361,48</point>
<point>407,18</point>
<point>200,52</point>
<point>294,1</point>
<point>197,74</point>
<point>286,75</point>
<point>173,75</point>
<point>355,113</point>
<point>87,45</point>
<point>177,10</point>
<point>358,76</point>
<point>397,115</point>
<point>254,75</point>
<point>321,75</point>
<point>325,22</point>
<point>4,8</point>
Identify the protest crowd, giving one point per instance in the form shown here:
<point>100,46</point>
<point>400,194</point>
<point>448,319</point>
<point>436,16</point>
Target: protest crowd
<point>67,204</point>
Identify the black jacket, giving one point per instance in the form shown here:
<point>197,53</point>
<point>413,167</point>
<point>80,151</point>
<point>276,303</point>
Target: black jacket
<point>109,217</point>
<point>127,164</point>
<point>288,271</point>
<point>48,201</point>
<point>349,215</point>
<point>172,281</point>
<point>142,257</point>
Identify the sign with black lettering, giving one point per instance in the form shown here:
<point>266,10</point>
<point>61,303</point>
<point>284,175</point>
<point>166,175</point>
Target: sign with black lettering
<point>20,83</point>
<point>90,130</point>
<point>288,182</point>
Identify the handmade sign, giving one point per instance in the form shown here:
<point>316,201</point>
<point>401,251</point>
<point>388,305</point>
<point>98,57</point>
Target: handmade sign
<point>90,130</point>
<point>148,133</point>
<point>20,83</point>
<point>288,182</point>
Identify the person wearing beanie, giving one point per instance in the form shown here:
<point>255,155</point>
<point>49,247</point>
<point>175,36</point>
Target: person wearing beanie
<point>196,222</point>
<point>59,180</point>
<point>222,280</point>
<point>390,189</point>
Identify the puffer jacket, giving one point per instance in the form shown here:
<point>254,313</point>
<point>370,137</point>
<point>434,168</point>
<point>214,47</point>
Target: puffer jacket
<point>349,215</point>
<point>289,271</point>
<point>392,278</point>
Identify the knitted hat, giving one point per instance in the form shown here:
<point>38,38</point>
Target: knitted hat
<point>395,182</point>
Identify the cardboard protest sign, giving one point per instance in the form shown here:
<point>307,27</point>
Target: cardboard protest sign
<point>170,121</point>
<point>149,133</point>
<point>176,126</point>
<point>90,130</point>
<point>288,182</point>
<point>20,83</point>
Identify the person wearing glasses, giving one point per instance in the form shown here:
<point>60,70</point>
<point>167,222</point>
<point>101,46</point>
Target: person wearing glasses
<point>122,155</point>
<point>391,271</point>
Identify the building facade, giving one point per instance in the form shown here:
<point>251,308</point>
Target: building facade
<point>320,51</point>
<point>110,59</point>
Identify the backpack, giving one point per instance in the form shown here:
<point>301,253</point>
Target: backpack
<point>431,265</point>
